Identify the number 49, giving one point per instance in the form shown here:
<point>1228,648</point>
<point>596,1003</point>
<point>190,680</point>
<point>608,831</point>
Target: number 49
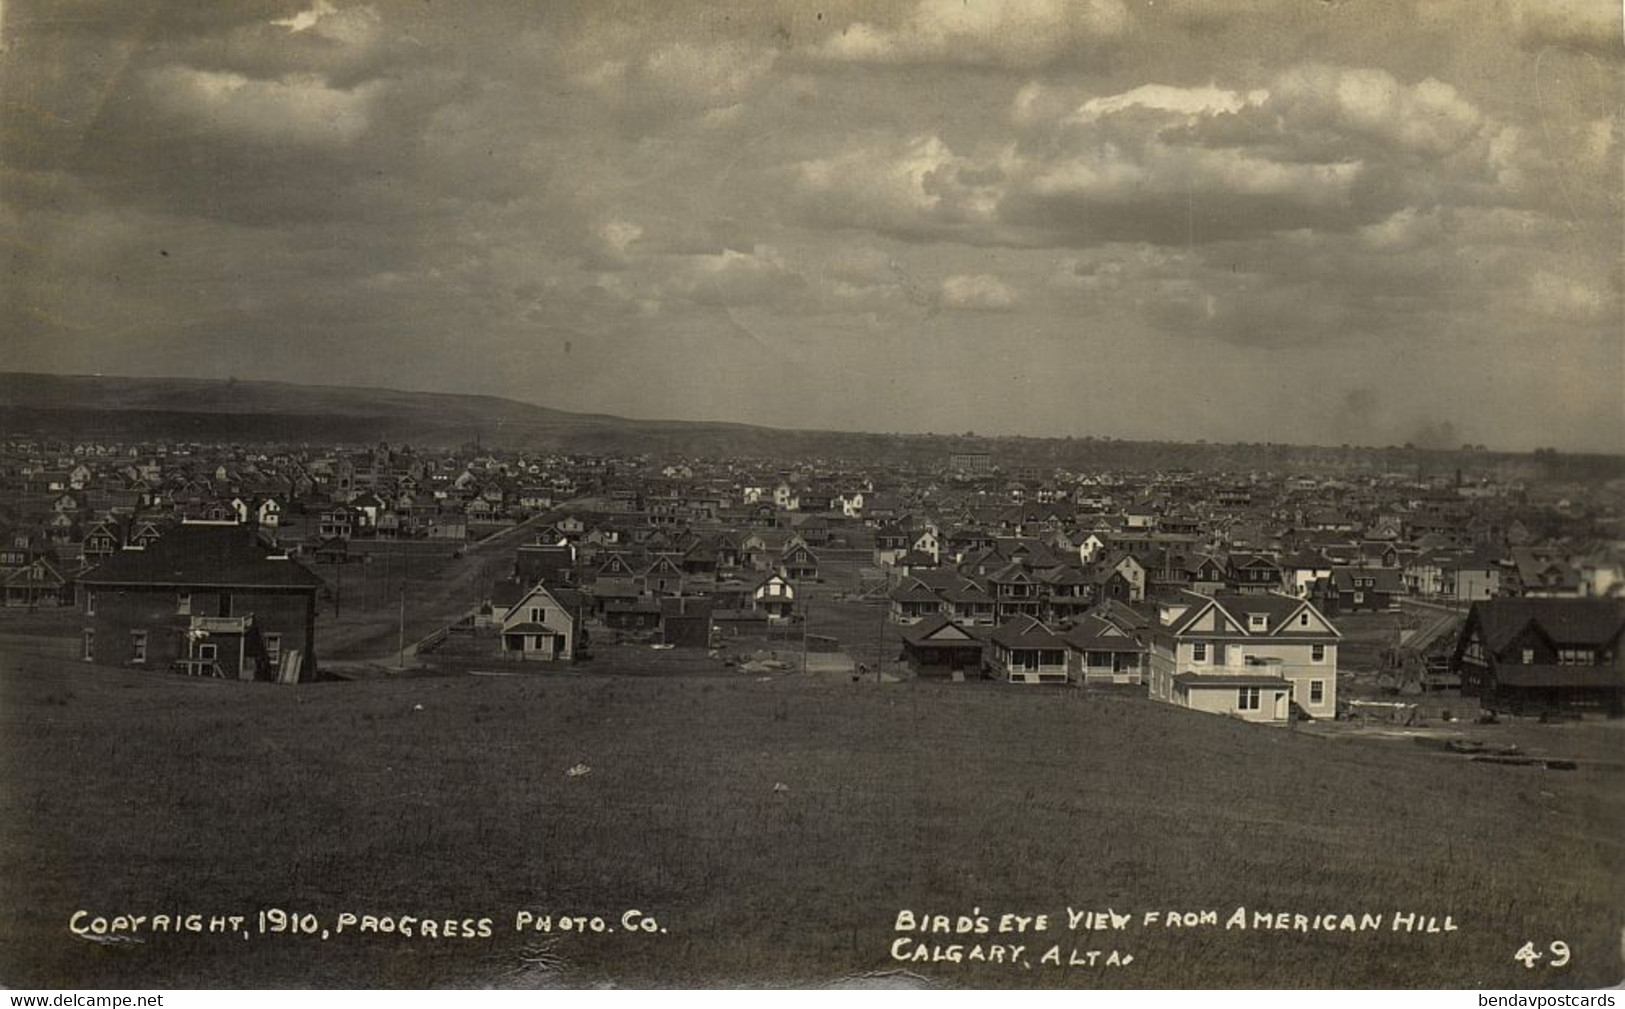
<point>1529,956</point>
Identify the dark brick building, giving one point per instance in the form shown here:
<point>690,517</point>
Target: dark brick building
<point>205,599</point>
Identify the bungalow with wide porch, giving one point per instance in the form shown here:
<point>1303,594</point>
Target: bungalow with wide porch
<point>936,646</point>
<point>1025,651</point>
<point>38,583</point>
<point>913,601</point>
<point>1098,651</point>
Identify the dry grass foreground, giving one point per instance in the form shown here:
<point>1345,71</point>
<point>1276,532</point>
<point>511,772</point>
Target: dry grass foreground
<point>775,828</point>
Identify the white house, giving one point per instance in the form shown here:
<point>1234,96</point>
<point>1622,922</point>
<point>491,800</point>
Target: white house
<point>542,625</point>
<point>1250,656</point>
<point>775,595</point>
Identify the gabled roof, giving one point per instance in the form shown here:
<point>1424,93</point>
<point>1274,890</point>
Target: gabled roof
<point>913,592</point>
<point>565,598</point>
<point>1026,632</point>
<point>1063,575</point>
<point>1566,622</point>
<point>1279,610</point>
<point>1096,634</point>
<point>926,631</point>
<point>1121,614</point>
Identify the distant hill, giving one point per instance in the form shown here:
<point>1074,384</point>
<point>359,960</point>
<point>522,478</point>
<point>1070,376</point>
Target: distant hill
<point>95,407</point>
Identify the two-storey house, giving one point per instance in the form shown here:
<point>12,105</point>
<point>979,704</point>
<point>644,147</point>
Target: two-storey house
<point>1253,655</point>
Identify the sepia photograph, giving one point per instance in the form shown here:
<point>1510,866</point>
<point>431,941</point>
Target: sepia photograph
<point>865,494</point>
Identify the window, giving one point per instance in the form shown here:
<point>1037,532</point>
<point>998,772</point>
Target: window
<point>90,605</point>
<point>1528,656</point>
<point>1247,699</point>
<point>1576,657</point>
<point>138,646</point>
<point>1359,597</point>
<point>273,649</point>
<point>1317,653</point>
<point>1303,620</point>
<point>538,615</point>
<point>90,645</point>
<point>1257,621</point>
<point>183,603</point>
<point>206,652</point>
<point>1317,691</point>
<point>1199,652</point>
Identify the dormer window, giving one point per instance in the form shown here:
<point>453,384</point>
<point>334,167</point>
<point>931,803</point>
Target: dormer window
<point>1257,621</point>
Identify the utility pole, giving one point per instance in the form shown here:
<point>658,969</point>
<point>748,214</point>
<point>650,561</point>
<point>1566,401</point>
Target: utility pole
<point>406,567</point>
<point>880,642</point>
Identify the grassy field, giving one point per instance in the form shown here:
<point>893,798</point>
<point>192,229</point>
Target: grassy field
<point>774,828</point>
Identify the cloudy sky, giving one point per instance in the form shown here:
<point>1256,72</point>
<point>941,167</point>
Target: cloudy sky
<point>1292,220</point>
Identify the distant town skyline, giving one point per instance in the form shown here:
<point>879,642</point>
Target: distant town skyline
<point>1258,220</point>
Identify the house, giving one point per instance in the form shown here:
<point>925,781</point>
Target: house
<point>1362,590</point>
<point>775,595</point>
<point>538,562</point>
<point>664,575</point>
<point>38,583</point>
<point>102,540</point>
<point>1066,592</point>
<point>891,543</point>
<point>966,602</point>
<point>1015,593</point>
<point>1472,578</point>
<point>605,594</point>
<point>685,621</point>
<point>543,624</point>
<point>799,563</point>
<point>913,601</point>
<point>1254,656</point>
<point>1025,651</point>
<point>1544,654</point>
<point>1099,651</point>
<point>1254,573</point>
<point>1544,573</point>
<point>1424,574</point>
<point>207,600</point>
<point>937,646</point>
<point>1301,571</point>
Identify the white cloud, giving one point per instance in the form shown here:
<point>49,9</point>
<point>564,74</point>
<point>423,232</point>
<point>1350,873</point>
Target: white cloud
<point>1205,101</point>
<point>979,291</point>
<point>721,73</point>
<point>299,108</point>
<point>1428,117</point>
<point>1012,33</point>
<point>1567,298</point>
